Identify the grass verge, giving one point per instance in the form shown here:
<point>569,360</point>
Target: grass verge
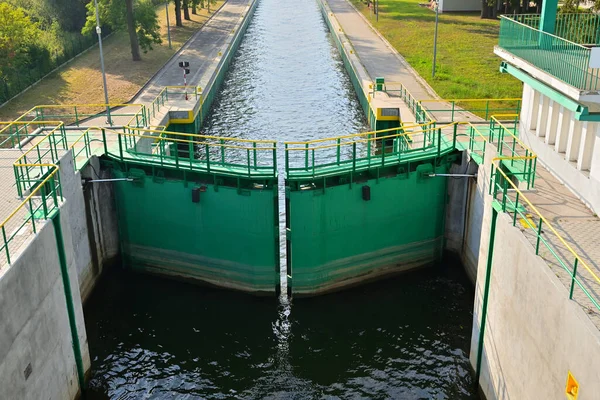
<point>467,67</point>
<point>80,81</point>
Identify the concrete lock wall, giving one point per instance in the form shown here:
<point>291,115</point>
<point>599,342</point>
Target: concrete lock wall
<point>92,219</point>
<point>534,334</point>
<point>36,353</point>
<point>464,213</point>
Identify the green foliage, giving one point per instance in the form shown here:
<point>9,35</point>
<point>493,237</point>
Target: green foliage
<point>18,40</point>
<point>147,27</point>
<point>113,13</point>
<point>68,14</point>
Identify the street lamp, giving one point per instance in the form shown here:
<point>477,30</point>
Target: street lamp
<point>168,25</point>
<point>99,32</point>
<point>437,17</point>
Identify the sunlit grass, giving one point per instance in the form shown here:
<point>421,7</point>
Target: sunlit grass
<point>466,64</point>
<point>80,81</point>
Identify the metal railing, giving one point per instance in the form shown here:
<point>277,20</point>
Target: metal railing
<point>516,155</point>
<point>225,156</point>
<point>40,203</point>
<point>563,59</point>
<point>512,200</point>
<point>45,116</point>
<point>32,164</point>
<point>484,108</point>
<point>581,28</point>
<point>361,151</point>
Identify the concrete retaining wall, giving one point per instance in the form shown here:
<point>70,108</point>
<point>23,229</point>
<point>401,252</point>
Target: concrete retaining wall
<point>92,219</point>
<point>534,334</point>
<point>464,213</point>
<point>36,353</point>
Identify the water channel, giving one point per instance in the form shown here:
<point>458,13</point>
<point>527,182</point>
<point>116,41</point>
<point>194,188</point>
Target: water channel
<point>405,338</point>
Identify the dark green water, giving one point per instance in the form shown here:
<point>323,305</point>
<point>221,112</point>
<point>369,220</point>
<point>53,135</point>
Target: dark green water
<point>405,338</point>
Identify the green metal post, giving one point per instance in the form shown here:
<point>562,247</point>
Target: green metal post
<point>573,278</point>
<point>486,295</point>
<point>104,141</point>
<point>548,17</point>
<point>539,236</point>
<point>6,244</point>
<point>69,298</point>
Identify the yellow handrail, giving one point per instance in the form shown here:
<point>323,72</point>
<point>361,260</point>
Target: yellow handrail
<point>543,219</point>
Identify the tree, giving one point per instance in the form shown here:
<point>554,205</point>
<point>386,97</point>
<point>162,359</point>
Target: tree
<point>133,39</point>
<point>137,16</point>
<point>186,10</point>
<point>178,21</point>
<point>19,38</point>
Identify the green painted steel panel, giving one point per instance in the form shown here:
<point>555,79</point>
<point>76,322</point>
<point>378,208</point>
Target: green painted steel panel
<point>338,239</point>
<point>229,238</point>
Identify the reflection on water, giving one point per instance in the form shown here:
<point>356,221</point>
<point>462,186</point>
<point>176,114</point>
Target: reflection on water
<point>405,338</point>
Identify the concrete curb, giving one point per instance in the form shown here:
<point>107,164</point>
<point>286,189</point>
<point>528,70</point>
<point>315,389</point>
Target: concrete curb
<point>402,60</point>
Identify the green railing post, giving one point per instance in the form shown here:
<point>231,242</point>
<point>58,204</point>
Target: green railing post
<point>6,244</point>
<point>338,151</point>
<point>439,152</point>
<point>207,150</point>
<point>254,150</point>
<point>274,144</point>
<point>516,208</point>
<point>353,157</point>
<point>104,141</point>
<point>120,146</point>
<point>306,156</point>
<point>287,160</point>
<point>64,269</point>
<point>44,205</point>
<point>486,294</point>
<point>222,142</point>
<point>573,275</point>
<point>248,161</point>
<point>539,237</point>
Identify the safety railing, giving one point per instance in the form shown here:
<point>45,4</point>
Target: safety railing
<point>517,156</point>
<point>45,117</point>
<point>31,166</point>
<point>361,151</point>
<point>563,59</point>
<point>172,93</point>
<point>225,156</point>
<point>581,28</point>
<point>39,204</point>
<point>422,116</point>
<point>513,201</point>
<point>158,102</point>
<point>448,110</point>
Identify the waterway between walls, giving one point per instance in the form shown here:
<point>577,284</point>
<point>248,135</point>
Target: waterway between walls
<point>405,338</point>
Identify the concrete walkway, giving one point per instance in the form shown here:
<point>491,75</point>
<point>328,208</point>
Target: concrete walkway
<point>201,51</point>
<point>576,223</point>
<point>381,59</point>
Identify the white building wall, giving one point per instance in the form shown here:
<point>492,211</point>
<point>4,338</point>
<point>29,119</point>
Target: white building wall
<point>568,148</point>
